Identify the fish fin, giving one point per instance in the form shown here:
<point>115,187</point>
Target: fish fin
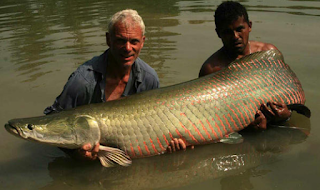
<point>86,129</point>
<point>300,108</point>
<point>109,157</point>
<point>232,138</point>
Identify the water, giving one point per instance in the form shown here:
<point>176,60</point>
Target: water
<point>43,41</point>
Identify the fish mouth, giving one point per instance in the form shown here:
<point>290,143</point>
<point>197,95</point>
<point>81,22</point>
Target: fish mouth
<point>11,129</point>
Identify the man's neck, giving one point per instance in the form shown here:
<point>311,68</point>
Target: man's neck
<point>230,55</point>
<point>237,55</point>
<point>116,70</point>
<point>117,77</point>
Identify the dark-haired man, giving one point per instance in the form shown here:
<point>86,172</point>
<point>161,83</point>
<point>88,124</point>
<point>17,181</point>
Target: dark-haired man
<point>233,27</point>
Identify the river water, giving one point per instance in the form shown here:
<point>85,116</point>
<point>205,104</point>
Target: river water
<point>43,41</point>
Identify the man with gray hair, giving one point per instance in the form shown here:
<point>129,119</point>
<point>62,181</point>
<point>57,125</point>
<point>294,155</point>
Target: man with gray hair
<point>116,73</point>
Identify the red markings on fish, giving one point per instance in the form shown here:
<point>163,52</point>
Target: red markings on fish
<point>205,130</point>
<point>153,147</point>
<point>234,123</point>
<point>210,126</point>
<point>189,133</point>
<point>224,127</point>
<point>160,145</point>
<point>140,151</point>
<point>165,139</point>
<point>132,150</point>
<point>178,133</point>
<point>146,147</point>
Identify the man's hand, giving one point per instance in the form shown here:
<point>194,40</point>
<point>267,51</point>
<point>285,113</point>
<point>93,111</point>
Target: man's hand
<point>86,152</point>
<point>272,112</point>
<point>275,112</point>
<point>260,122</point>
<point>176,145</point>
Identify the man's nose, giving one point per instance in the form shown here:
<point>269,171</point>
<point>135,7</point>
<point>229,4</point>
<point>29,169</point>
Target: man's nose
<point>236,34</point>
<point>128,46</point>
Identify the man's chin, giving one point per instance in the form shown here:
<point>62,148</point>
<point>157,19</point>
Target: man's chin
<point>127,63</point>
<point>238,50</point>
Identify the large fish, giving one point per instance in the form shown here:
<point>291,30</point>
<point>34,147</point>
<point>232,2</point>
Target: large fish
<point>215,162</point>
<point>200,111</point>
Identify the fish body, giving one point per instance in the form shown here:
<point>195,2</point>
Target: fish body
<point>199,111</point>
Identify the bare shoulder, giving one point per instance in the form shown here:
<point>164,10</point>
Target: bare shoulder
<point>206,69</point>
<point>211,65</point>
<point>261,46</point>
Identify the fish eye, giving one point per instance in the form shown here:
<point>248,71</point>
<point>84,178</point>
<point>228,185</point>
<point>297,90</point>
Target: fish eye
<point>30,126</point>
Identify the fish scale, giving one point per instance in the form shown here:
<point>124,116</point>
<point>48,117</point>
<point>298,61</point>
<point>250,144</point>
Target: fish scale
<point>208,108</point>
<point>199,111</point>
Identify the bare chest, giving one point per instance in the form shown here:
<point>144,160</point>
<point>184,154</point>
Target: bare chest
<point>114,88</point>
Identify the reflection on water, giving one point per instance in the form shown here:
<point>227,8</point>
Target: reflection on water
<point>47,32</point>
<point>68,32</point>
<point>236,163</point>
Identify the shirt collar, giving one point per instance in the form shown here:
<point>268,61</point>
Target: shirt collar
<point>137,70</point>
<point>100,66</point>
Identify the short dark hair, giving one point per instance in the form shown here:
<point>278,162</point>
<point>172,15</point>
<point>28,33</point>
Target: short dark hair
<point>229,11</point>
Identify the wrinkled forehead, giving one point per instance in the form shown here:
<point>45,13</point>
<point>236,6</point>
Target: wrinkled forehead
<point>126,25</point>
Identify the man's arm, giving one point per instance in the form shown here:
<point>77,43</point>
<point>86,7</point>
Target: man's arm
<point>213,64</point>
<point>207,69</point>
<point>86,152</point>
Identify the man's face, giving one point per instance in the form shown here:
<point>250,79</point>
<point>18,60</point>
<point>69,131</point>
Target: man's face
<point>125,43</point>
<point>235,36</point>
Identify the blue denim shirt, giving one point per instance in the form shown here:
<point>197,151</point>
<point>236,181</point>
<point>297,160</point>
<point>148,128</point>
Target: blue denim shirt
<point>87,84</point>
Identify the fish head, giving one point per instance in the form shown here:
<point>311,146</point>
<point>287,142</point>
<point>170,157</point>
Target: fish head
<point>66,131</point>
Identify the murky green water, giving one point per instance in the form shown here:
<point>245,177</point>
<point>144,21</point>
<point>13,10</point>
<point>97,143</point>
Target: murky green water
<point>43,41</point>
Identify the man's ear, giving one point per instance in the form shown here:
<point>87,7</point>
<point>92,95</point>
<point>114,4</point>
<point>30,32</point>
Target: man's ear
<point>108,38</point>
<point>218,33</point>
<point>143,40</point>
<point>250,25</point>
